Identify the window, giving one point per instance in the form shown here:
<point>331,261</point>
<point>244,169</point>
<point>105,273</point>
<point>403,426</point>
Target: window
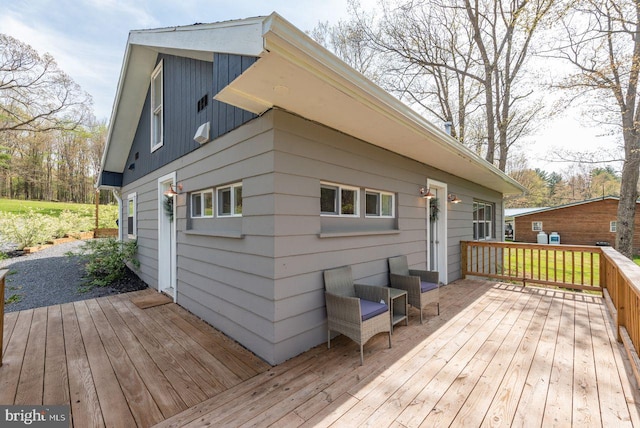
<point>482,220</point>
<point>131,215</point>
<point>157,116</point>
<point>379,204</point>
<point>339,200</point>
<point>613,226</point>
<point>202,204</point>
<point>536,226</point>
<point>230,200</point>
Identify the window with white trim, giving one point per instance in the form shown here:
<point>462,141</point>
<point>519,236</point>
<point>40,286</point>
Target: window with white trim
<point>536,226</point>
<point>230,200</point>
<point>157,102</point>
<point>339,200</point>
<point>379,204</point>
<point>613,226</point>
<point>131,215</point>
<point>202,204</point>
<point>483,220</point>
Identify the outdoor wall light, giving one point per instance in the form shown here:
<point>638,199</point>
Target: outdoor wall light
<point>171,192</point>
<point>453,198</point>
<point>426,193</point>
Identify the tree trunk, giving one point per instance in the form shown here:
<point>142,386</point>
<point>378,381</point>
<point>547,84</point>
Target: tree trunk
<point>627,206</point>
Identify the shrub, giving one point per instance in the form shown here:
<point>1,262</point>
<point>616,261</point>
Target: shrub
<point>106,260</point>
<point>26,230</point>
<point>70,222</point>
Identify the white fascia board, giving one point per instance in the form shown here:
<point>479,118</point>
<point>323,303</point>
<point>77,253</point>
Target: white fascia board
<point>242,37</point>
<point>284,39</point>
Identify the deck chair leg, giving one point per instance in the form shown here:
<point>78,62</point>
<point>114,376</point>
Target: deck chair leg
<point>421,309</point>
<point>328,339</point>
<point>438,308</point>
<point>362,355</point>
<point>389,339</point>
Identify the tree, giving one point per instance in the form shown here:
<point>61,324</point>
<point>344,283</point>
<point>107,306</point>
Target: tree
<point>604,49</point>
<point>35,95</point>
<point>464,62</point>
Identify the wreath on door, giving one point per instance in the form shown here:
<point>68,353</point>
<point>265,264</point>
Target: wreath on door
<point>434,209</point>
<point>168,207</point>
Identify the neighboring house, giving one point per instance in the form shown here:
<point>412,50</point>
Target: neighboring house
<point>306,165</point>
<point>580,223</point>
<point>509,213</point>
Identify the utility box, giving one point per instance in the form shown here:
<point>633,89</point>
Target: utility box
<point>554,238</point>
<point>542,238</point>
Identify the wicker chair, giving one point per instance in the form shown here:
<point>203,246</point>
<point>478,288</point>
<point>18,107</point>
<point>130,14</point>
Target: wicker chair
<point>355,310</point>
<point>421,286</point>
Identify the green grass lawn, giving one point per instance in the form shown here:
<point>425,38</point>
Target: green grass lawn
<point>576,269</point>
<point>107,213</point>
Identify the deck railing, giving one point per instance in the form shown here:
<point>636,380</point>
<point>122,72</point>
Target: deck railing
<point>576,267</point>
<point>567,266</point>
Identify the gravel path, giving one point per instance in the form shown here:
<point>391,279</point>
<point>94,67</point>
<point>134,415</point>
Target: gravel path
<point>50,277</point>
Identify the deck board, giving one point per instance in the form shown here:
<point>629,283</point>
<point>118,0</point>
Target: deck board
<point>498,355</point>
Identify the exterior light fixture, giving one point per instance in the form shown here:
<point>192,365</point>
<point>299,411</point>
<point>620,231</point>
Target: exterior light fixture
<point>453,198</point>
<point>426,193</point>
<point>171,192</point>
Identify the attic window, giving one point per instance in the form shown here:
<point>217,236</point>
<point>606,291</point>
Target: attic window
<point>157,115</point>
<point>203,102</point>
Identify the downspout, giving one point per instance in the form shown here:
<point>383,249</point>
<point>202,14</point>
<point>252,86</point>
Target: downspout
<point>118,197</point>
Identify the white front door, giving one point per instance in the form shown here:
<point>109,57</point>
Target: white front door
<point>167,247</point>
<point>437,229</point>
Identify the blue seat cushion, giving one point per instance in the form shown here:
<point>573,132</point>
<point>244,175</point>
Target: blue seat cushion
<point>370,309</point>
<point>427,286</point>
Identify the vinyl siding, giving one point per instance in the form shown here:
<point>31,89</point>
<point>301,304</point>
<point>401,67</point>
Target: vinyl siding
<point>264,287</point>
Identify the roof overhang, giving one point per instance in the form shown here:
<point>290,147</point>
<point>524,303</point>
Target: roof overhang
<point>296,74</point>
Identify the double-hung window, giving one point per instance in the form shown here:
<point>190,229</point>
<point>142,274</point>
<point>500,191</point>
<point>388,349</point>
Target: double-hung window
<point>483,220</point>
<point>131,215</point>
<point>157,102</point>
<point>613,226</point>
<point>379,204</point>
<point>202,204</point>
<point>230,200</point>
<point>536,226</point>
<point>339,200</point>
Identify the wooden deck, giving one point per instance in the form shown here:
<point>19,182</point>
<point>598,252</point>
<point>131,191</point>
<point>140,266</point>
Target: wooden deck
<point>498,355</point>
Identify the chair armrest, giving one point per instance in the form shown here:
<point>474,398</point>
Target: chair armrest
<point>426,275</point>
<point>372,292</point>
<point>406,283</point>
<point>343,308</point>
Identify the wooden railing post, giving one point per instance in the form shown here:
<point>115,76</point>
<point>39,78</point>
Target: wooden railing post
<point>463,258</point>
<point>623,296</point>
<point>3,273</point>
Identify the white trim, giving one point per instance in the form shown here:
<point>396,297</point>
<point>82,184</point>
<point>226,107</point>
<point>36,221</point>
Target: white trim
<point>163,184</point>
<point>613,226</point>
<point>158,70</point>
<point>202,205</point>
<point>356,213</point>
<point>132,197</point>
<point>380,193</point>
<point>233,201</point>
<point>443,230</point>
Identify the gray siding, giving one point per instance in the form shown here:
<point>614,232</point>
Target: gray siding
<point>185,82</point>
<point>258,278</point>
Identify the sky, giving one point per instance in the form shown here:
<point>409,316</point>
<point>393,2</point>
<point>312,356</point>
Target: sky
<point>88,39</point>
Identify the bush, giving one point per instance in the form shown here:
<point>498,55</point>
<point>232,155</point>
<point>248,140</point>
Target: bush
<point>27,230</point>
<point>106,260</point>
<point>70,222</point>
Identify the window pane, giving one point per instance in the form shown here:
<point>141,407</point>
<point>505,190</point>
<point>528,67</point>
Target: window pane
<point>488,213</point>
<point>132,209</point>
<point>475,230</point>
<point>387,205</point>
<point>328,196</point>
<point>372,203</point>
<point>208,204</point>
<point>237,191</point>
<point>349,200</point>
<point>196,205</point>
<point>224,201</point>
<point>475,211</point>
<point>157,90</point>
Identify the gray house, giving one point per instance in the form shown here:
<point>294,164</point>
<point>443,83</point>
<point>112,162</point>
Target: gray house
<point>283,162</point>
